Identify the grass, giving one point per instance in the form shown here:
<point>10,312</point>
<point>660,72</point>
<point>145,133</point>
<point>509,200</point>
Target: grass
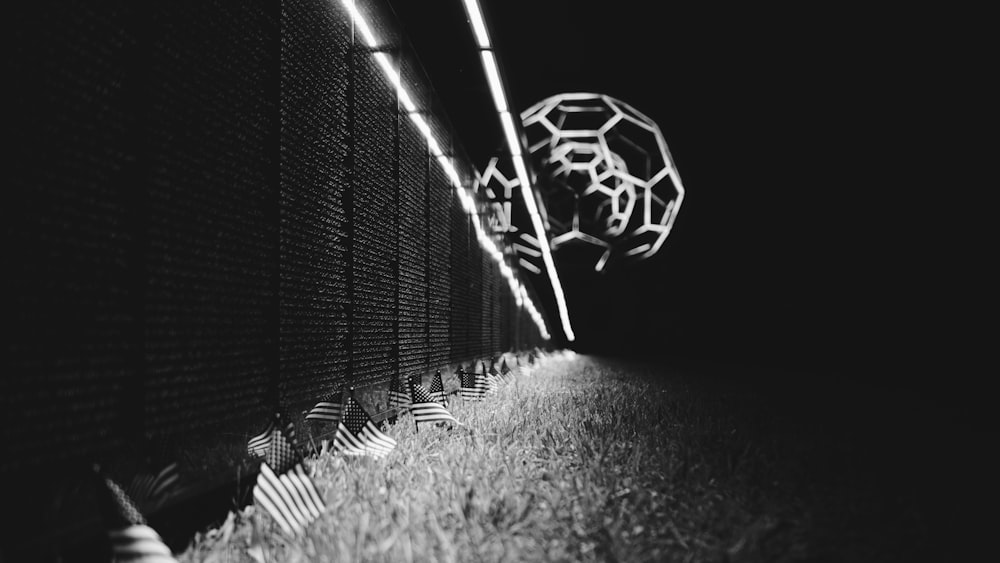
<point>584,460</point>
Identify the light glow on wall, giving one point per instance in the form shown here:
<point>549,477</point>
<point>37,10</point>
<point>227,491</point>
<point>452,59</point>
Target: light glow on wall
<point>475,13</point>
<point>468,202</point>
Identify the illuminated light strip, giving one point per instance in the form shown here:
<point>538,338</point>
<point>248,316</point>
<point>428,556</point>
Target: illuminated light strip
<point>522,177</point>
<point>493,76</point>
<point>550,266</point>
<point>468,203</point>
<point>511,134</point>
<point>478,26</point>
<point>475,14</point>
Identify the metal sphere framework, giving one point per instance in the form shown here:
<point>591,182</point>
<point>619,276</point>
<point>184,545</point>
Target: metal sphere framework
<point>605,175</point>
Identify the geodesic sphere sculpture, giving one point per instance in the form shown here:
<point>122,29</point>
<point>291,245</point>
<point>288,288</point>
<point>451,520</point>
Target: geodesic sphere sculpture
<point>605,175</point>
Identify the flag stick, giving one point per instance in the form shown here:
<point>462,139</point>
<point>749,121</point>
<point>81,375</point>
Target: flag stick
<point>409,384</point>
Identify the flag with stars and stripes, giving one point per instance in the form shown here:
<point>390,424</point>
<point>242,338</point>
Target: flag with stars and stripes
<point>474,385</point>
<point>506,373</point>
<point>131,538</point>
<point>327,410</point>
<point>358,435</point>
<point>425,409</point>
<point>398,397</point>
<point>492,381</point>
<point>149,491</point>
<point>258,445</point>
<point>283,488</point>
<point>437,390</point>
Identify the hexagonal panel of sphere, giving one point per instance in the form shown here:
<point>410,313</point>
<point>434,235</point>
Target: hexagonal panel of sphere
<point>606,177</point>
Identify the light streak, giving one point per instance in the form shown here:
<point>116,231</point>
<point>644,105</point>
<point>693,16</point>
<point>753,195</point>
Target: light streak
<point>475,14</point>
<point>478,25</point>
<point>445,161</point>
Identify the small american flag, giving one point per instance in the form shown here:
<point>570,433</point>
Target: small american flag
<point>504,374</point>
<point>424,409</point>
<point>437,390</point>
<point>283,488</point>
<point>398,397</point>
<point>358,435</point>
<point>258,445</point>
<point>327,410</point>
<point>493,381</point>
<point>474,385</point>
<point>131,539</point>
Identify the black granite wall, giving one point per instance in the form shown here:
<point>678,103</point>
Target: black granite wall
<point>219,210</point>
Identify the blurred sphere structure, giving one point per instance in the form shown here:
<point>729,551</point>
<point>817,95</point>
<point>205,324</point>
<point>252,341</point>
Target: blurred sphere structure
<point>605,176</point>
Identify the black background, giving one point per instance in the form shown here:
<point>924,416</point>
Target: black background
<point>826,229</point>
<point>832,229</point>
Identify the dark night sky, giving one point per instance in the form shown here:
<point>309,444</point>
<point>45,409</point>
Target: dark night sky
<point>820,229</point>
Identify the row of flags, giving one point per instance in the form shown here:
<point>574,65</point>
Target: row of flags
<point>400,399</point>
<point>284,488</point>
<point>477,385</point>
<point>357,434</point>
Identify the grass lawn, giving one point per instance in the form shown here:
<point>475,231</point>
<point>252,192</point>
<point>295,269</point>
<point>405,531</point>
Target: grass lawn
<point>592,460</point>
